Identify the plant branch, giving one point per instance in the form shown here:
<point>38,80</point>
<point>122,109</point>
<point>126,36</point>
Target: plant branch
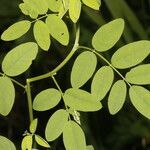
<point>21,85</point>
<point>105,60</point>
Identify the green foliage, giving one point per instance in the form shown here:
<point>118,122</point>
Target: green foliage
<point>41,141</point>
<point>33,126</point>
<point>95,4</point>
<point>27,142</point>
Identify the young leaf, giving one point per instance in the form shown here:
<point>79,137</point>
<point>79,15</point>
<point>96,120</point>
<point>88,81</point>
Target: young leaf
<point>16,30</point>
<point>58,29</point>
<point>95,4</point>
<point>27,143</point>
<point>131,54</point>
<point>74,10</point>
<point>117,97</point>
<point>89,147</point>
<point>54,5</point>
<point>33,126</point>
<point>73,137</point>
<point>41,141</point>
<point>41,34</point>
<point>83,69</point>
<point>6,144</point>
<point>55,125</point>
<point>108,35</point>
<point>46,100</point>
<point>140,98</point>
<point>19,59</point>
<point>7,95</point>
<point>102,82</point>
<point>139,75</point>
<point>81,100</point>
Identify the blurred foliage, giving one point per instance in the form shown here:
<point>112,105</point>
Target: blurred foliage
<point>127,130</point>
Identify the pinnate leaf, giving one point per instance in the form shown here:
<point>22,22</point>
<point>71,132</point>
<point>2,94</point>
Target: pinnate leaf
<point>54,5</point>
<point>108,35</point>
<point>27,143</point>
<point>41,141</point>
<point>83,68</point>
<point>95,4</point>
<point>33,126</point>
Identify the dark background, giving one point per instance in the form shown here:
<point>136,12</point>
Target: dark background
<point>128,130</point>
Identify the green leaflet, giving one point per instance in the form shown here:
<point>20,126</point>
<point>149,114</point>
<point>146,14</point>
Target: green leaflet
<point>73,137</point>
<point>41,34</point>
<point>58,29</point>
<point>6,144</point>
<point>131,54</point>
<point>140,98</point>
<point>108,35</point>
<point>139,75</point>
<point>33,126</point>
<point>41,141</point>
<point>74,10</point>
<point>19,59</point>
<point>117,97</point>
<point>95,4</point>
<point>46,99</point>
<point>102,82</point>
<point>7,95</point>
<point>89,147</point>
<point>16,30</point>
<point>83,68</point>
<point>55,125</point>
<point>81,100</point>
<point>54,5</point>
<point>27,143</point>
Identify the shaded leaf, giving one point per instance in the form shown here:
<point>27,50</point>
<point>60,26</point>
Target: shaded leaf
<point>41,141</point>
<point>95,4</point>
<point>108,35</point>
<point>131,54</point>
<point>33,126</point>
<point>90,147</point>
<point>117,97</point>
<point>83,69</point>
<point>27,143</point>
<point>81,100</point>
<point>102,82</point>
<point>55,125</point>
<point>46,99</point>
<point>7,95</point>
<point>19,59</point>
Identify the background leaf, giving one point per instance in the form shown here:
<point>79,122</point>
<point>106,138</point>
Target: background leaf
<point>131,54</point>
<point>7,95</point>
<point>83,69</point>
<point>95,4</point>
<point>19,59</point>
<point>90,147</point>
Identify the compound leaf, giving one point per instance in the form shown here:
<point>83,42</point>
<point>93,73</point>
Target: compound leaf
<point>83,68</point>
<point>102,82</point>
<point>131,54</point>
<point>55,125</point>
<point>58,29</point>
<point>16,30</point>
<point>117,97</point>
<point>41,141</point>
<point>41,34</point>
<point>139,75</point>
<point>7,95</point>
<point>140,98</point>
<point>33,126</point>
<point>19,59</point>
<point>73,137</point>
<point>27,143</point>
<point>95,4</point>
<point>54,5</point>
<point>81,100</point>
<point>46,99</point>
<point>108,35</point>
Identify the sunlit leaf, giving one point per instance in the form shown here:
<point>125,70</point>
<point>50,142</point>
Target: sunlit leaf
<point>19,59</point>
<point>46,99</point>
<point>83,69</point>
<point>58,29</point>
<point>16,30</point>
<point>73,137</point>
<point>64,8</point>
<point>117,97</point>
<point>140,98</point>
<point>81,100</point>
<point>54,5</point>
<point>41,34</point>
<point>33,125</point>
<point>108,35</point>
<point>6,144</point>
<point>27,143</point>
<point>55,125</point>
<point>41,141</point>
<point>139,75</point>
<point>7,95</point>
<point>131,54</point>
<point>102,82</point>
<point>95,4</point>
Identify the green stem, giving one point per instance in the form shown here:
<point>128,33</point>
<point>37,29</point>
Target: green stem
<point>105,60</point>
<point>21,85</point>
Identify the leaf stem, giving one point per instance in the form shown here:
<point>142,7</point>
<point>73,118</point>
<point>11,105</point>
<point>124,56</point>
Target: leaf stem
<point>105,60</point>
<point>21,85</point>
